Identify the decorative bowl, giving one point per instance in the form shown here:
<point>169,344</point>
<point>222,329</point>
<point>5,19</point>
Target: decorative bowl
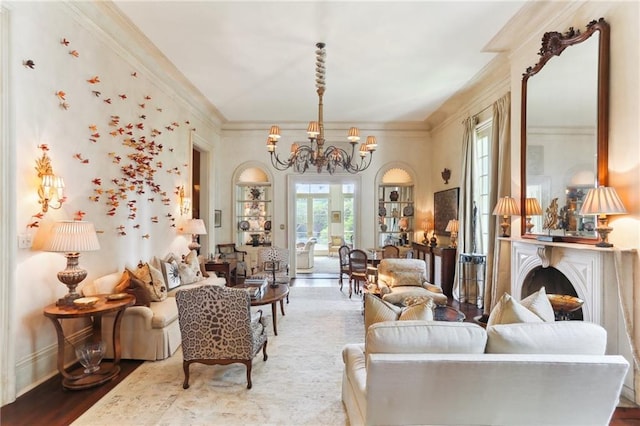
<point>117,296</point>
<point>90,355</point>
<point>564,302</point>
<point>86,302</point>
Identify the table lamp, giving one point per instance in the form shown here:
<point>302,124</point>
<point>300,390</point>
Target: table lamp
<point>194,227</point>
<point>602,201</point>
<point>72,237</point>
<point>531,208</point>
<point>452,227</point>
<point>506,207</point>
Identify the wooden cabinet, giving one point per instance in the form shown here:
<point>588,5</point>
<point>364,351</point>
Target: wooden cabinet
<point>441,265</point>
<point>395,215</point>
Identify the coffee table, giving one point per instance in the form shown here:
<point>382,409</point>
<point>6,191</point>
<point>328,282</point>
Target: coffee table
<point>448,313</point>
<point>271,296</point>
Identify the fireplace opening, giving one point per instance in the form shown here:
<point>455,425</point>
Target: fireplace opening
<point>554,282</point>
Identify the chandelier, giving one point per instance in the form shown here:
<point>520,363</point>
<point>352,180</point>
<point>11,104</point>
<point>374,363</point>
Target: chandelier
<point>316,155</point>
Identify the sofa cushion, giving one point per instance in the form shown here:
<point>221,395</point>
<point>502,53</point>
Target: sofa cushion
<point>377,310</point>
<point>560,337</point>
<point>129,283</point>
<point>190,269</point>
<point>539,304</point>
<point>400,293</point>
<point>407,278</point>
<point>164,312</point>
<point>425,337</point>
<point>508,311</point>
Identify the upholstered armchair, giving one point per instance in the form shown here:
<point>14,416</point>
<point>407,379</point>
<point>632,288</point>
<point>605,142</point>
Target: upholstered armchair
<point>402,278</point>
<point>304,255</point>
<point>217,327</point>
<point>273,262</point>
<point>335,243</point>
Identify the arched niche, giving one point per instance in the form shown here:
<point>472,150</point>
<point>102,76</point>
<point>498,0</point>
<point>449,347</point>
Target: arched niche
<point>253,204</point>
<point>395,205</point>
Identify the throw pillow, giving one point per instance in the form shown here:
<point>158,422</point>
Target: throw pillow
<point>139,289</point>
<point>192,260</point>
<point>407,278</point>
<point>377,310</point>
<point>124,283</point>
<point>420,311</point>
<point>187,276</point>
<point>539,304</point>
<point>171,274</point>
<point>154,281</point>
<point>509,311</point>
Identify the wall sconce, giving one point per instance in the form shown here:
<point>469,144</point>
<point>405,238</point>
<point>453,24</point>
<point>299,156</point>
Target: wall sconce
<point>453,227</point>
<point>602,201</point>
<point>506,207</point>
<point>531,208</point>
<point>51,189</point>
<point>185,202</point>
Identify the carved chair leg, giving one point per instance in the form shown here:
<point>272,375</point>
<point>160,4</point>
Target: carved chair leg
<point>264,351</point>
<point>350,287</point>
<point>185,367</point>
<point>248,364</point>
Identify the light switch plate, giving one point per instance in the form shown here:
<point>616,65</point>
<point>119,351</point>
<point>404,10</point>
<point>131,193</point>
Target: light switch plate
<point>25,241</point>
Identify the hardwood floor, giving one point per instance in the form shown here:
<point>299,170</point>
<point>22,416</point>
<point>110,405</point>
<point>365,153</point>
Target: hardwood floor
<point>48,404</point>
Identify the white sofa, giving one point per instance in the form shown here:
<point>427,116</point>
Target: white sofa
<point>146,333</point>
<point>439,373</point>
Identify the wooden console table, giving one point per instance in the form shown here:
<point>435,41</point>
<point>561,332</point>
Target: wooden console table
<point>226,268</point>
<point>441,265</point>
<point>78,379</point>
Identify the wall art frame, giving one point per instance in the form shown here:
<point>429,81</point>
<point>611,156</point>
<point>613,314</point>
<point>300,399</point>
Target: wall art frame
<point>445,208</point>
<point>217,218</point>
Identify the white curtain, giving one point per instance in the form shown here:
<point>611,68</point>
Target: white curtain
<point>499,186</point>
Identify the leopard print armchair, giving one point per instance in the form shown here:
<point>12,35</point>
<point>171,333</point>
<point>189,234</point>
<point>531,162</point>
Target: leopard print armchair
<point>217,327</point>
<point>268,257</point>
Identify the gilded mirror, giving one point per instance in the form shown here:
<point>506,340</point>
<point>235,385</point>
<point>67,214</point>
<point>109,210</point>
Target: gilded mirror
<point>564,129</point>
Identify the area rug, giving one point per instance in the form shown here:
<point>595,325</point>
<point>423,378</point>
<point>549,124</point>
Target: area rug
<point>300,383</point>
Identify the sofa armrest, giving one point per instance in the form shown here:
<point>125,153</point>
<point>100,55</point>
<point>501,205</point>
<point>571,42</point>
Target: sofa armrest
<point>383,287</point>
<point>145,313</point>
<point>432,288</point>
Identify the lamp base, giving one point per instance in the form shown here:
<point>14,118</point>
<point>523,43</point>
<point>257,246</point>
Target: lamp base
<point>505,225</point>
<point>603,232</point>
<point>529,225</point>
<point>71,277</point>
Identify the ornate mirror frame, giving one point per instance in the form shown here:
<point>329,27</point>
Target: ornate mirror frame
<point>553,44</point>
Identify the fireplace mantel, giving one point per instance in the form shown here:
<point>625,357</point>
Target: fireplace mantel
<point>596,274</point>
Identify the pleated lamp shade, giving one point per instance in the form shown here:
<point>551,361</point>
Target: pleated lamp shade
<point>506,206</point>
<point>72,236</point>
<point>195,227</point>
<point>532,207</point>
<point>602,200</point>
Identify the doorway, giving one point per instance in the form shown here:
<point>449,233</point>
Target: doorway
<point>323,208</point>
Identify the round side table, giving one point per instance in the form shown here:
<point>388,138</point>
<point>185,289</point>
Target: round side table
<point>77,378</point>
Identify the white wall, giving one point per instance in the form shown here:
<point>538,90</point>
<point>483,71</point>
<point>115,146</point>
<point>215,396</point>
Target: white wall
<point>37,117</point>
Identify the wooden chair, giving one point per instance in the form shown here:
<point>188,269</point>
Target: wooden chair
<point>390,252</point>
<point>343,251</point>
<point>217,327</point>
<point>357,270</point>
<point>230,253</point>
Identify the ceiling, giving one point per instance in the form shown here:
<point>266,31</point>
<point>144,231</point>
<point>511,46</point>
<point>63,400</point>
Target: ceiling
<point>386,61</point>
